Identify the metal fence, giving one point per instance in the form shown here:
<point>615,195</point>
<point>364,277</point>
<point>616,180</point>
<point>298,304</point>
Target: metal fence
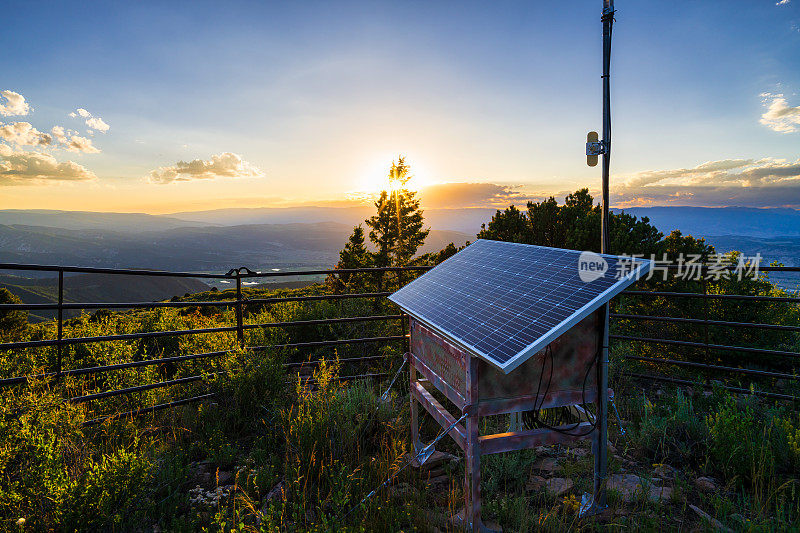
<point>756,376</point>
<point>239,301</point>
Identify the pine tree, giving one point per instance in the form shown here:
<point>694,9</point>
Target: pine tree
<point>397,229</point>
<point>353,255</point>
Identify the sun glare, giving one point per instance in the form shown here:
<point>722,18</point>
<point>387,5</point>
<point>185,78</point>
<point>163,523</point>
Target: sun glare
<point>375,177</point>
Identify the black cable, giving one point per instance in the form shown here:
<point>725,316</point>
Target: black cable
<point>535,414</point>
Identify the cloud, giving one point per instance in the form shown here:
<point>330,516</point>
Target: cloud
<point>782,2</point>
<point>98,124</point>
<point>23,134</point>
<point>81,144</point>
<point>92,121</point>
<point>779,116</point>
<point>470,195</point>
<point>36,168</point>
<point>15,104</point>
<point>224,165</point>
<point>765,182</point>
<point>72,142</point>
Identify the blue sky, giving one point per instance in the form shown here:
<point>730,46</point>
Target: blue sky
<point>248,104</point>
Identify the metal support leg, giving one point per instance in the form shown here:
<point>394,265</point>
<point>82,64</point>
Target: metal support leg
<point>601,432</point>
<point>415,443</point>
<point>472,453</point>
<point>472,476</point>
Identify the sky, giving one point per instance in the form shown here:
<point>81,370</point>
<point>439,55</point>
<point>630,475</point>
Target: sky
<point>162,107</point>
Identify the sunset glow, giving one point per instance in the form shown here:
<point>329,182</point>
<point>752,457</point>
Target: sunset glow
<point>279,105</point>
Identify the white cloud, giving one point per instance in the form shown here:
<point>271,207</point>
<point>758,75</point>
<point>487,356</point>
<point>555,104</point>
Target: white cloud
<point>782,2</point>
<point>36,168</point>
<point>97,123</point>
<point>779,116</point>
<point>15,104</point>
<point>23,134</point>
<point>72,142</point>
<point>81,144</point>
<point>226,164</point>
<point>764,182</point>
<point>92,121</point>
<point>59,134</point>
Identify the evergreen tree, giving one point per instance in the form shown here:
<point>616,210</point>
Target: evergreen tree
<point>397,228</point>
<point>574,225</point>
<point>353,255</point>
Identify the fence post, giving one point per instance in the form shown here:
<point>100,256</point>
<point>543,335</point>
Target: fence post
<point>239,319</point>
<point>60,346</point>
<point>705,313</point>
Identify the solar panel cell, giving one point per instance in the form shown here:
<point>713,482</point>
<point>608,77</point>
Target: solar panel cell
<point>505,301</point>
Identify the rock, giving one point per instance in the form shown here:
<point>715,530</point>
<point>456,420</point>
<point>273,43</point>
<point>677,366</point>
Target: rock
<point>705,484</point>
<point>436,459</point>
<point>710,519</point>
<point>436,472</point>
<point>542,450</point>
<point>224,478</point>
<point>548,465</point>
<point>628,485</point>
<point>536,483</point>
<point>658,494</point>
<point>611,448</point>
<point>457,521</point>
<point>438,480</point>
<point>579,452</point>
<point>663,470</point>
<point>559,485</point>
<point>276,493</point>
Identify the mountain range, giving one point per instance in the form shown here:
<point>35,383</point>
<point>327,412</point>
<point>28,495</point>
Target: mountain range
<point>311,237</point>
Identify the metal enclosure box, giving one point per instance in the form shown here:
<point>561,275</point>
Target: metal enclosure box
<point>576,349</point>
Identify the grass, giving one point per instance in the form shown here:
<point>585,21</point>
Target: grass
<point>265,455</point>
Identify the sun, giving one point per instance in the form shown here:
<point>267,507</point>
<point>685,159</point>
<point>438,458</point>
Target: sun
<point>375,176</point>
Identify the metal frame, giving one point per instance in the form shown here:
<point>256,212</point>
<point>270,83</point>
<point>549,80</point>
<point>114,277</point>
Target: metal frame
<point>557,330</point>
<point>470,404</point>
<point>239,304</point>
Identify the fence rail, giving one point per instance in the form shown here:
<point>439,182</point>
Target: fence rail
<point>239,303</point>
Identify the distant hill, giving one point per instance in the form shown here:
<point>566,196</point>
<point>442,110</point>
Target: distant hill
<point>202,249</point>
<point>92,220</point>
<point>98,288</point>
<point>467,220</point>
<point>705,221</point>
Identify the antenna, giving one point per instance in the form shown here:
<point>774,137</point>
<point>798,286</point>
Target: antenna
<point>594,149</point>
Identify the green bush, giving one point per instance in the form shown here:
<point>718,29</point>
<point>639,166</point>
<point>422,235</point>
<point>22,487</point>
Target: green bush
<point>112,492</point>
<point>671,431</point>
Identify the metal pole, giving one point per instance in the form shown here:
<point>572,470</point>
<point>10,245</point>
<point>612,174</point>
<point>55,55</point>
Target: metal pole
<point>608,19</point>
<point>60,321</point>
<point>239,317</point>
<point>601,456</point>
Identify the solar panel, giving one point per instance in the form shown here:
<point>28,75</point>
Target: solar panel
<point>504,301</point>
